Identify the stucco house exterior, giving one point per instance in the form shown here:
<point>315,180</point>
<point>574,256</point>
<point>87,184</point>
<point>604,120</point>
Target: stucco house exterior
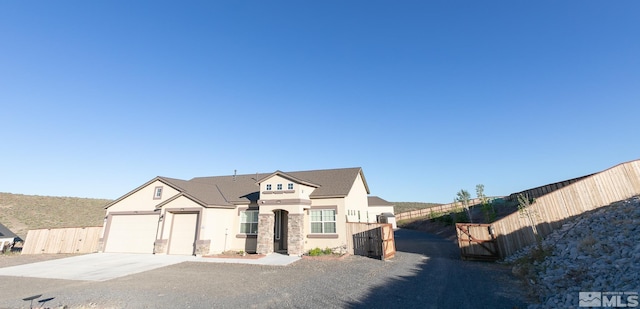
<point>286,212</point>
<point>382,210</point>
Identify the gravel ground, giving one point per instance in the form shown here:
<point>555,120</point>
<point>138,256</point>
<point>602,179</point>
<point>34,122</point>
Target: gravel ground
<point>426,273</point>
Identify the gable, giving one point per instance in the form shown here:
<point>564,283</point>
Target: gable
<point>229,191</point>
<point>143,198</point>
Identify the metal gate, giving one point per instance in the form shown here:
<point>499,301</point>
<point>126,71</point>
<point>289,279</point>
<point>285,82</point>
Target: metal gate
<point>477,241</point>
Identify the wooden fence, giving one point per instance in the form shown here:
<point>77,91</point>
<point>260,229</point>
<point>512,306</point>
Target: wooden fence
<point>371,239</point>
<point>439,209</point>
<point>543,190</point>
<point>62,240</point>
<point>551,210</point>
<point>477,241</point>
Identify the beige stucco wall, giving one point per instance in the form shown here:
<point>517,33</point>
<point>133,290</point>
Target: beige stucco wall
<point>141,200</point>
<point>179,203</point>
<point>357,203</point>
<point>300,191</point>
<point>377,210</point>
<point>311,243</point>
<point>356,200</point>
<point>236,242</point>
<point>219,225</point>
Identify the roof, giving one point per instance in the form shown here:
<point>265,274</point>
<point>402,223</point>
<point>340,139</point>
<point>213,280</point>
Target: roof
<point>377,201</point>
<point>6,233</point>
<point>244,189</point>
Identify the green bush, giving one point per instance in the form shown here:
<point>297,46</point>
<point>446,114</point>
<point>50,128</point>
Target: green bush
<point>317,251</point>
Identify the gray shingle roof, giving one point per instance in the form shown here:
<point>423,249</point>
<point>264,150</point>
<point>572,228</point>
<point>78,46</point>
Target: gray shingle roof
<point>330,183</point>
<point>377,201</point>
<point>207,194</point>
<point>244,189</point>
<point>5,232</point>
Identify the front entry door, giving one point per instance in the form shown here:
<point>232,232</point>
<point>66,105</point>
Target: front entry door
<point>280,231</point>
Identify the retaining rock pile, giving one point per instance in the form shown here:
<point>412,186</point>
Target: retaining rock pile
<point>596,252</point>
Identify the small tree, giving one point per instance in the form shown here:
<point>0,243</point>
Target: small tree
<point>525,209</point>
<point>487,205</point>
<point>458,214</point>
<point>463,198</point>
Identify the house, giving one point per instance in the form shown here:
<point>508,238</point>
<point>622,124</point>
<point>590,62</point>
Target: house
<point>383,210</point>
<point>7,238</point>
<point>286,212</point>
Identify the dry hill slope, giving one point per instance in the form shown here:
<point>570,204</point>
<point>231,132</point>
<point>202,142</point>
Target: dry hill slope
<point>20,213</point>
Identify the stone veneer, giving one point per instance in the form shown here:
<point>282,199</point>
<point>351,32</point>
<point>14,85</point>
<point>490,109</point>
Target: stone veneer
<point>265,233</point>
<point>295,241</point>
<point>203,246</point>
<point>160,246</point>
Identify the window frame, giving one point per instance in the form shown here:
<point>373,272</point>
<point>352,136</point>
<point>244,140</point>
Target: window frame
<point>157,193</point>
<point>290,186</point>
<point>268,187</point>
<point>279,187</point>
<point>244,220</point>
<point>322,221</point>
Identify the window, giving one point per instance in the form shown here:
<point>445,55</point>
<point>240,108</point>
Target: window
<point>157,193</point>
<point>268,187</point>
<point>249,222</point>
<point>279,186</point>
<point>323,221</point>
<point>290,186</point>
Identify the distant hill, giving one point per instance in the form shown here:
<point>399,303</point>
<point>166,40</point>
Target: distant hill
<point>20,213</point>
<point>409,206</point>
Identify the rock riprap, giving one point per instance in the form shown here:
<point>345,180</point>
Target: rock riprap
<point>596,252</point>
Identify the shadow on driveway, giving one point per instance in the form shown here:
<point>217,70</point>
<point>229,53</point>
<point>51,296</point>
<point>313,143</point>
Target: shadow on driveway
<point>438,278</point>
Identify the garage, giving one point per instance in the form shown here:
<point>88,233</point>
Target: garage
<point>131,233</point>
<point>184,229</point>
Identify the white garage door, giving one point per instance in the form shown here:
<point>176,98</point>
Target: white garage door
<point>132,233</point>
<point>183,233</point>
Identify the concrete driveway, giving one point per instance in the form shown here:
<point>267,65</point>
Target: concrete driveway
<point>106,266</point>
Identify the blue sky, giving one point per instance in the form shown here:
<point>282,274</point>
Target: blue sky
<point>428,97</point>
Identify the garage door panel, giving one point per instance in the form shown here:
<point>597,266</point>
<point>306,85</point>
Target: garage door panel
<point>183,234</point>
<point>132,233</point>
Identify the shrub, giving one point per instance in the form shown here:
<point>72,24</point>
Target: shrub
<point>317,251</point>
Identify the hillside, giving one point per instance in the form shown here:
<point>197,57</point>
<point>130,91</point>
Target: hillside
<point>409,206</point>
<point>20,213</point>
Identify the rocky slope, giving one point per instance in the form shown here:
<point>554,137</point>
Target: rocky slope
<point>596,252</point>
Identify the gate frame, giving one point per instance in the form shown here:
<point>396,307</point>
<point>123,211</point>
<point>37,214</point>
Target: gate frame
<point>466,240</point>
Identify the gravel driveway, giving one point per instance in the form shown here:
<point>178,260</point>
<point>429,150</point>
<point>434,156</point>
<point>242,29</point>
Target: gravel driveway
<point>426,273</point>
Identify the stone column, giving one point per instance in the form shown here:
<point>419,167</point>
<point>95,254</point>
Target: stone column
<point>295,238</point>
<point>203,246</point>
<point>160,246</point>
<point>101,244</point>
<point>265,233</point>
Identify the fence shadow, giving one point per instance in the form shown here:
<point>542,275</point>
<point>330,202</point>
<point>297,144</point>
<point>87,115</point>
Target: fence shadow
<point>438,278</point>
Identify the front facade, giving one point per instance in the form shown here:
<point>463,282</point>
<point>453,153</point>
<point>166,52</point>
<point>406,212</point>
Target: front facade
<point>279,212</point>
